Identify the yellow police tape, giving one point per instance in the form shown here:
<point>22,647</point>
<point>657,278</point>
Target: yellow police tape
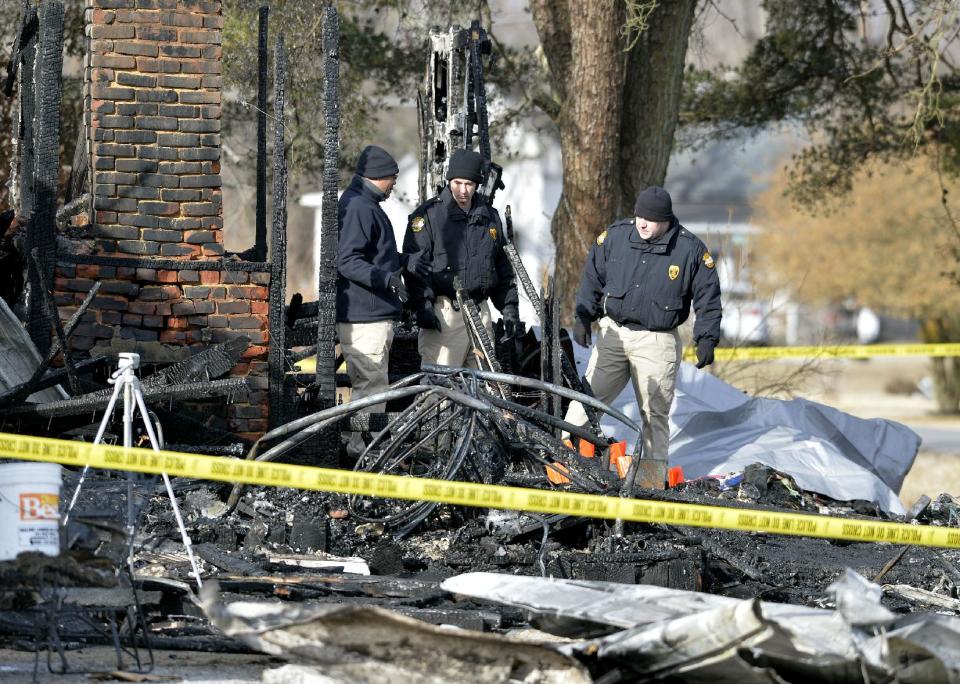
<point>468,493</point>
<point>853,351</point>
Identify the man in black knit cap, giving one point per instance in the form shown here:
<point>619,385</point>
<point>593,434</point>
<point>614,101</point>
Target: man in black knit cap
<point>370,291</point>
<point>640,278</point>
<point>458,234</point>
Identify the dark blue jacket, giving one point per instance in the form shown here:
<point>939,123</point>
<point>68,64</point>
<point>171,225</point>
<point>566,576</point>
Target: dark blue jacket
<point>458,243</point>
<point>651,285</point>
<point>367,257</point>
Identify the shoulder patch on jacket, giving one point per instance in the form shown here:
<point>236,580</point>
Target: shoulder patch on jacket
<point>416,223</point>
<point>601,237</point>
<point>493,232</point>
<point>708,260</point>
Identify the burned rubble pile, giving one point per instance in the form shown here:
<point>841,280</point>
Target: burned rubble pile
<point>365,588</point>
<point>291,531</point>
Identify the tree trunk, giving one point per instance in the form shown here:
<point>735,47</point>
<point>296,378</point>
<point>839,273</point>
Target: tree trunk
<point>589,125</point>
<point>945,371</point>
<point>651,99</point>
<point>617,115</point>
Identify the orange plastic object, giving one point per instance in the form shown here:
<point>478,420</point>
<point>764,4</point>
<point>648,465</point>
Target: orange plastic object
<point>617,450</point>
<point>623,465</point>
<point>555,474</point>
<point>675,476</point>
<point>587,450</point>
<point>567,443</point>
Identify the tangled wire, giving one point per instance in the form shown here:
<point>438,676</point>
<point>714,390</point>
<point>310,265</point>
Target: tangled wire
<point>461,424</point>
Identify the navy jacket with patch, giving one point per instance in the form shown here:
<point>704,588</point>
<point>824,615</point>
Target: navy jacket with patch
<point>651,285</point>
<point>458,243</point>
<point>367,257</point>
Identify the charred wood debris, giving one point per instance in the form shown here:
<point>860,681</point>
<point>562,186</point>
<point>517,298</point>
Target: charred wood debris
<point>501,424</point>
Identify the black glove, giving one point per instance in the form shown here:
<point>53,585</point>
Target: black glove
<point>416,264</point>
<point>396,285</point>
<point>705,352</point>
<point>511,322</point>
<point>427,319</point>
<point>581,332</point>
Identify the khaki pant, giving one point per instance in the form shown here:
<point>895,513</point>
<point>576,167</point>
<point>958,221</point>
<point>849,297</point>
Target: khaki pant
<point>648,359</point>
<point>366,348</point>
<point>451,346</point>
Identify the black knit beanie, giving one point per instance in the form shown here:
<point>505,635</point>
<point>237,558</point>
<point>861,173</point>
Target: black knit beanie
<point>654,204</point>
<point>376,162</point>
<point>465,164</point>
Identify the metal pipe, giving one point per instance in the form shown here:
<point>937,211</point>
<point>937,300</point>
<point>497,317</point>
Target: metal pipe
<point>460,456</point>
<point>531,383</point>
<point>533,414</point>
<point>400,419</point>
<point>366,402</point>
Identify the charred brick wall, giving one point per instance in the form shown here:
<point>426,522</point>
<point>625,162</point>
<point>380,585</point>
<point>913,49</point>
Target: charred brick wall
<point>154,238</point>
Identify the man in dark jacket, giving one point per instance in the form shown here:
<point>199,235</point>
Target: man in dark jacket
<point>639,280</point>
<point>370,292</point>
<point>459,234</point>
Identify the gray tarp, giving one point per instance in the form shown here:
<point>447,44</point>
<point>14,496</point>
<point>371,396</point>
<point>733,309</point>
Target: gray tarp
<point>716,429</point>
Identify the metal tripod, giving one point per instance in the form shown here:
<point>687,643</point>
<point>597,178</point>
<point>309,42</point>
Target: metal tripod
<point>125,381</point>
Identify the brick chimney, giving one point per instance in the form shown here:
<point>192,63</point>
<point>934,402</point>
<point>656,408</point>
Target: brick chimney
<point>155,236</point>
<point>155,101</point>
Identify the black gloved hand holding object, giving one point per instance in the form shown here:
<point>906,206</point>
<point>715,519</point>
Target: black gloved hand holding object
<point>396,285</point>
<point>581,332</point>
<point>416,264</point>
<point>511,322</point>
<point>427,319</point>
<point>705,352</point>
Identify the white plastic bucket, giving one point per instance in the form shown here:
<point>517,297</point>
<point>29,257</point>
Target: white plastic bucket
<point>29,509</point>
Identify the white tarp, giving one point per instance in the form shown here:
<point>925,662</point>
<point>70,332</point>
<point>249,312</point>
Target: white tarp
<point>716,429</point>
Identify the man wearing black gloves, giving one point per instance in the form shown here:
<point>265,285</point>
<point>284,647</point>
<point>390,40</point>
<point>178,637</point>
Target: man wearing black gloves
<point>458,234</point>
<point>639,280</point>
<point>370,292</point>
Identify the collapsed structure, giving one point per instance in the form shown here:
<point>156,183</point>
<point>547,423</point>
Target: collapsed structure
<point>134,262</point>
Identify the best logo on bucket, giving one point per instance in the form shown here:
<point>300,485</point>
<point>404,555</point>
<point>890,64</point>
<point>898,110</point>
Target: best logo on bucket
<point>39,507</point>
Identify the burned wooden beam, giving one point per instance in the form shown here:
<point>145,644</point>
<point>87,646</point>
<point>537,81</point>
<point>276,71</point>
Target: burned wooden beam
<point>41,232</point>
<point>570,373</point>
<point>278,247</point>
<point>555,352</point>
<point>324,389</point>
<point>26,26</point>
<point>27,56</point>
<point>303,333</point>
<point>545,322</point>
<point>97,401</point>
<point>327,297</point>
<point>51,313</point>
<point>260,240</point>
<point>164,264</point>
<point>212,362</point>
